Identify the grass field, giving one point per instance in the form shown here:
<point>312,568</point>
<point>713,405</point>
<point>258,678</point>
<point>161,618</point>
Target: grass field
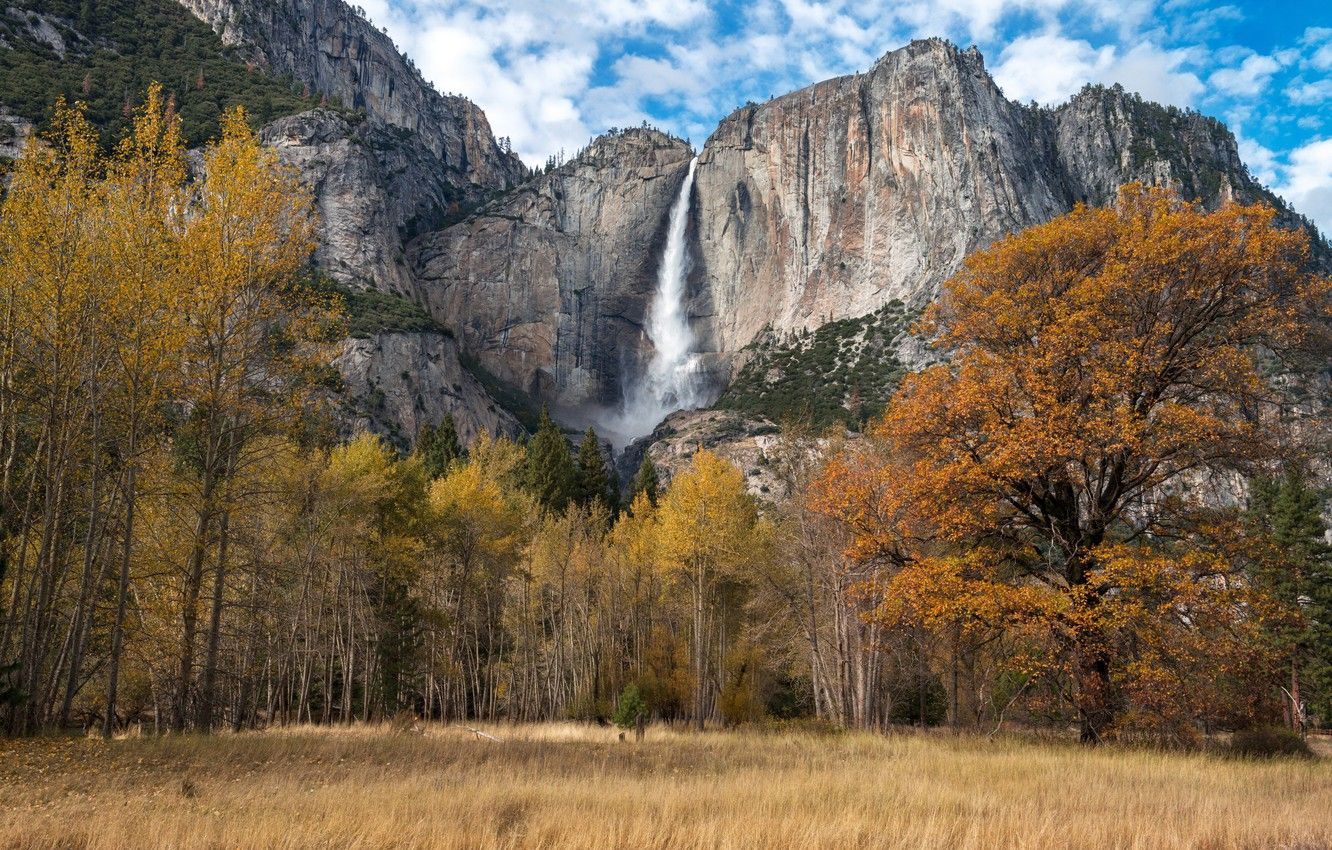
<point>563,786</point>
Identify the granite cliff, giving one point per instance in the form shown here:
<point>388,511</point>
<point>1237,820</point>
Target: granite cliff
<point>329,47</point>
<point>549,286</point>
<point>825,204</point>
<point>833,200</point>
<point>391,158</point>
<point>819,209</point>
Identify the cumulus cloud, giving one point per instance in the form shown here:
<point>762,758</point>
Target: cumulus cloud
<point>1320,38</point>
<point>551,80</point>
<point>1049,68</point>
<point>1247,79</point>
<point>1307,182</point>
<point>1308,93</point>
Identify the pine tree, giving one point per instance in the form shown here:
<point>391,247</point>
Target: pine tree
<point>592,481</point>
<point>645,481</point>
<point>549,473</point>
<point>438,447</point>
<point>1289,511</point>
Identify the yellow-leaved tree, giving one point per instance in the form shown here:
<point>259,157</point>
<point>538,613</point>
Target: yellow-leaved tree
<point>144,318</point>
<point>255,340</point>
<point>709,532</point>
<point>479,524</point>
<point>53,239</point>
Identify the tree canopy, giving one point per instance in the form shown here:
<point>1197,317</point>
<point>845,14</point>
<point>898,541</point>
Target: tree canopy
<point>1104,369</point>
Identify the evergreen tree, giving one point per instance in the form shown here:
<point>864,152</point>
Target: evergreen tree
<point>438,447</point>
<point>630,706</point>
<point>592,481</point>
<point>549,471</point>
<point>645,481</point>
<point>1290,512</point>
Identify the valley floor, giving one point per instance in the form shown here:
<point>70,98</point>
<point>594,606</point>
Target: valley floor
<point>566,786</point>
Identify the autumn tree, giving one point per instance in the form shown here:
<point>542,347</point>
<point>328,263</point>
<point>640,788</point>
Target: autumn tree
<point>54,236</point>
<point>1104,367</point>
<point>248,358</point>
<point>478,524</point>
<point>709,531</point>
<point>146,316</point>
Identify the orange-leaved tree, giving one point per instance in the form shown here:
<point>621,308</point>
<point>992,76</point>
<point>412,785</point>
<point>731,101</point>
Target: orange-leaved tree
<point>1050,479</point>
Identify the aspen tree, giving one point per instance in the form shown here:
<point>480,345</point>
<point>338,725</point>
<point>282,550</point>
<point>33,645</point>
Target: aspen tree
<point>709,529</point>
<point>249,233</point>
<point>146,312</point>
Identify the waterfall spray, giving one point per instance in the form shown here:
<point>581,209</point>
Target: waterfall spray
<point>674,380</point>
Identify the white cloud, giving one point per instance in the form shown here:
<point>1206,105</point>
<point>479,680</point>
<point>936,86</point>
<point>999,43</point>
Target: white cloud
<point>551,79</point>
<point>1189,23</point>
<point>1307,182</point>
<point>1248,79</point>
<point>1321,38</point>
<point>1156,73</point>
<point>1261,161</point>
<point>1303,93</point>
<point>1049,68</point>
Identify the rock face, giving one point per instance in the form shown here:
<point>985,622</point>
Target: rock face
<point>398,382</point>
<point>821,205</point>
<point>549,286</point>
<point>399,159</point>
<point>336,52</point>
<point>1106,136</point>
<point>828,202</point>
<point>741,440</point>
<point>14,132</point>
<point>373,186</point>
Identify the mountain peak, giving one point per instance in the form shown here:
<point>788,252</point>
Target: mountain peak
<point>940,48</point>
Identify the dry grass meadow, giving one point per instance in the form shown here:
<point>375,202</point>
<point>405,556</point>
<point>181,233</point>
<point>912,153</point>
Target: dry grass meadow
<point>565,786</point>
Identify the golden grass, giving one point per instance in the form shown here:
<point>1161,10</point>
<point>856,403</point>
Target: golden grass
<point>558,786</point>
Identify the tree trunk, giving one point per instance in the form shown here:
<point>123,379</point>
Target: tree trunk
<point>189,614</point>
<point>122,595</point>
<point>699,660</point>
<point>209,689</point>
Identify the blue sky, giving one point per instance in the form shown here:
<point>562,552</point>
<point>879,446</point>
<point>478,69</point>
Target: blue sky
<point>552,75</point>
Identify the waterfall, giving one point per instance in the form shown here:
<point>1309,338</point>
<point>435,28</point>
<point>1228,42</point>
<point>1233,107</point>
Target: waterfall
<point>674,380</point>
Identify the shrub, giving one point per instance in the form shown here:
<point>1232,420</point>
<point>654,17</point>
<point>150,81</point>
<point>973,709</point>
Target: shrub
<point>1269,742</point>
<point>631,704</point>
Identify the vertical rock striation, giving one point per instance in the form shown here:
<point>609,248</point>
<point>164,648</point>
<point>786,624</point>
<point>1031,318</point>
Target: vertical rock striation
<point>828,202</point>
<point>371,188</point>
<point>396,160</point>
<point>398,382</point>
